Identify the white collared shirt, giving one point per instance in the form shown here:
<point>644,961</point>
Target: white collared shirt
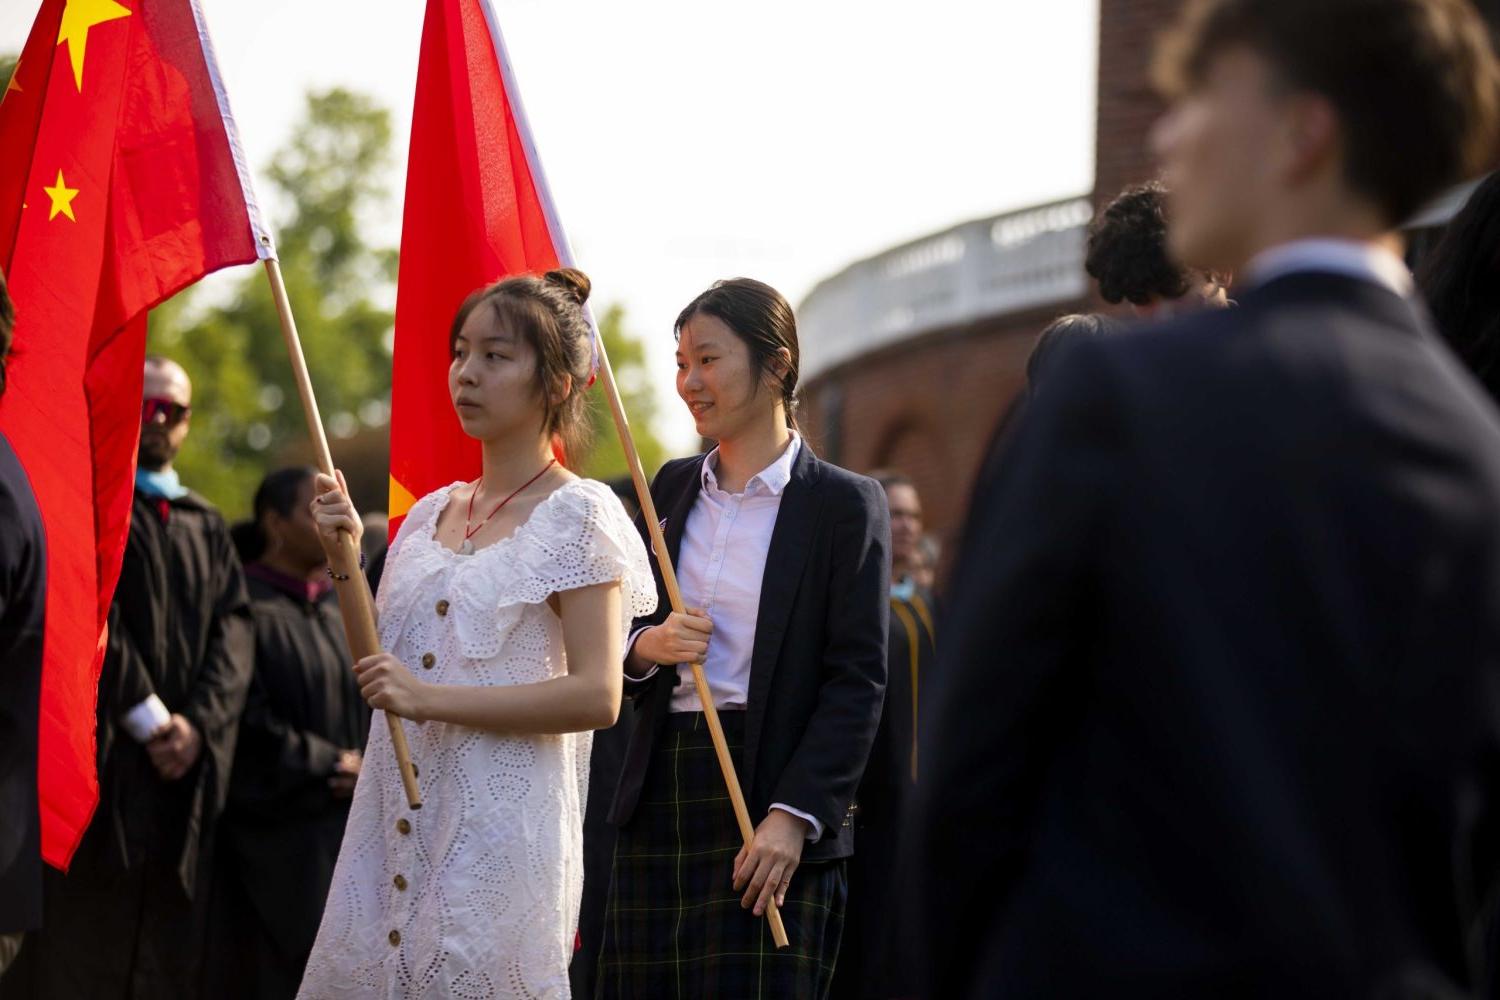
<point>720,566</point>
<point>1326,255</point>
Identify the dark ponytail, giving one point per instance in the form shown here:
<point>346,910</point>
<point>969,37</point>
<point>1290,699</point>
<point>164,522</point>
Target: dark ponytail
<point>761,317</point>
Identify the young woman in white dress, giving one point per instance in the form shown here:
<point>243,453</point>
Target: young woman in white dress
<point>502,612</point>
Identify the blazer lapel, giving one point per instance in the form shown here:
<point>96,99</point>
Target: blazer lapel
<point>681,506</point>
<point>791,542</point>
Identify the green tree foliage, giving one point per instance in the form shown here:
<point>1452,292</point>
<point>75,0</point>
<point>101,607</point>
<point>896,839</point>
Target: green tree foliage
<point>247,418</point>
<point>627,356</point>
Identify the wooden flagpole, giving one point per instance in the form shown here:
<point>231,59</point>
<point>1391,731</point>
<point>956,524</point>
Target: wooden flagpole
<point>632,457</point>
<point>355,603</point>
<point>669,577</point>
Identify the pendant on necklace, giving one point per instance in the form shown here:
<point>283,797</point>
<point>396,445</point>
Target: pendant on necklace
<point>466,549</point>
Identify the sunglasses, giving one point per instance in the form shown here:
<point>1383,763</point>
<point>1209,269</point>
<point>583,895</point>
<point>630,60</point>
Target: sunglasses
<point>172,413</point>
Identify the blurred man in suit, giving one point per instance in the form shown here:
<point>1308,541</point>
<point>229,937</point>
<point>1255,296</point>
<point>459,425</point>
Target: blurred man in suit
<point>1218,703</point>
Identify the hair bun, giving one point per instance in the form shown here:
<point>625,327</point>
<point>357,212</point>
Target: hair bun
<point>572,281</point>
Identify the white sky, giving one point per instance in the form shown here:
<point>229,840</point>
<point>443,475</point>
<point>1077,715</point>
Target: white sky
<point>689,140</point>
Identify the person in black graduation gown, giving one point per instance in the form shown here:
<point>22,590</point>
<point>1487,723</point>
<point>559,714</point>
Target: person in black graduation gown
<point>876,960</point>
<point>23,604</point>
<point>296,761</point>
<point>1216,708</point>
<point>127,919</point>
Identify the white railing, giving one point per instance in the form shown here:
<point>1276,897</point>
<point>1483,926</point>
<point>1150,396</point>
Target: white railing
<point>977,270</point>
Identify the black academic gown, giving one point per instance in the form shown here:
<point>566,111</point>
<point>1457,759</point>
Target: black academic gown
<point>876,959</point>
<point>127,919</point>
<point>23,595</point>
<point>282,828</point>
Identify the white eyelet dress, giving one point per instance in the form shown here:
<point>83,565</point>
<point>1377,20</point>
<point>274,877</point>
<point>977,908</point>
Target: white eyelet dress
<point>476,894</point>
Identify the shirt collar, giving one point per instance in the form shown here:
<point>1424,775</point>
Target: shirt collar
<point>773,479</point>
<point>1350,258</point>
<point>311,591</point>
<point>162,484</point>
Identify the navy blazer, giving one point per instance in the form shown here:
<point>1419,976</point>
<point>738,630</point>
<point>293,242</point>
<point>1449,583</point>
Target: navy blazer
<point>1217,711</point>
<point>818,668</point>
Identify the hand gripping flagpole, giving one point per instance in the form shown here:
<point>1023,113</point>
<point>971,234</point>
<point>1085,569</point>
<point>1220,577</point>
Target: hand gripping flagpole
<point>355,603</point>
<point>632,459</point>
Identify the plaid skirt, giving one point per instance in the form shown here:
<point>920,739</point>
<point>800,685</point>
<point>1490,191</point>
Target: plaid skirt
<point>674,928</point>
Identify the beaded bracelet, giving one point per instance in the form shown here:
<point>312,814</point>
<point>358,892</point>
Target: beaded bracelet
<point>341,577</point>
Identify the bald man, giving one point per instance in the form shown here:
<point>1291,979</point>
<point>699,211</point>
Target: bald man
<point>127,919</point>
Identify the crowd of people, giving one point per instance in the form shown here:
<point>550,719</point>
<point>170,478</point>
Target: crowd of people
<point>1213,711</point>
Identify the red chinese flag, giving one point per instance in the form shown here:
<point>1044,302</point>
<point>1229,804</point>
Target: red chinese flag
<point>121,182</point>
<point>477,210</point>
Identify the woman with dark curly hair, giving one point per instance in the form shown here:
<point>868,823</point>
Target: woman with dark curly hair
<point>1127,255</point>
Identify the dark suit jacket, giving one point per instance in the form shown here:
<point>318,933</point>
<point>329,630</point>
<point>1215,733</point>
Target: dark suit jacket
<point>23,604</point>
<point>1218,703</point>
<point>818,670</point>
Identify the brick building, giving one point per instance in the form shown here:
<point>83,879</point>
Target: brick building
<point>910,357</point>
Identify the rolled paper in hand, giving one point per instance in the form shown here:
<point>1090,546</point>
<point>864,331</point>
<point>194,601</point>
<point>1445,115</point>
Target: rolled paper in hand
<point>146,718</point>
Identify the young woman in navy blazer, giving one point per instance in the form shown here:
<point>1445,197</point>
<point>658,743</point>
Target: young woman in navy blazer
<point>784,562</point>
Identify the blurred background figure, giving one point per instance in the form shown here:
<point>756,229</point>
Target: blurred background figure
<point>877,960</point>
<point>301,737</point>
<point>23,596</point>
<point>1054,340</point>
<point>1460,279</point>
<point>1051,344</point>
<point>1129,257</point>
<point>127,919</point>
<point>929,558</point>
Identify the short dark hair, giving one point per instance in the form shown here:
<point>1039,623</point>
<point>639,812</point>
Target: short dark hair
<point>761,317</point>
<point>278,492</point>
<point>1460,278</point>
<point>1415,83</point>
<point>547,313</point>
<point>1127,249</point>
<point>1053,342</point>
<point>7,328</point>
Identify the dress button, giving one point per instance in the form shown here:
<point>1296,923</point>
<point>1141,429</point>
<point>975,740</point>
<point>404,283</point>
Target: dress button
<point>394,937</point>
<point>428,661</point>
<point>403,826</point>
<point>399,882</point>
<point>442,608</point>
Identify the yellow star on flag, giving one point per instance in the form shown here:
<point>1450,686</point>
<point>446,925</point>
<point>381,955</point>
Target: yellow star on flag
<point>12,84</point>
<point>78,17</point>
<point>62,199</point>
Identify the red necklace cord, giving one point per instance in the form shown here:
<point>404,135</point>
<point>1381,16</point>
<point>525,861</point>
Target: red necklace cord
<point>471,532</point>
